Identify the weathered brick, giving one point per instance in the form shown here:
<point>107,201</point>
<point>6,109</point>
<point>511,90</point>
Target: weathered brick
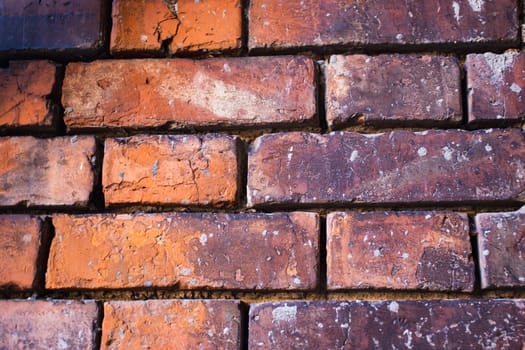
<point>394,167</point>
<point>408,89</point>
<point>172,170</point>
<point>501,246</point>
<point>220,251</point>
<point>399,250</point>
<point>46,172</point>
<point>26,86</point>
<point>496,86</point>
<point>407,324</point>
<point>20,238</point>
<point>58,324</point>
<point>171,324</point>
<point>188,25</point>
<point>179,93</point>
<point>283,24</point>
<point>51,25</point>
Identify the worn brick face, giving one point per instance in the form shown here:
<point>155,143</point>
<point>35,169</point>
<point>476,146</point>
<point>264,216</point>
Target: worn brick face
<point>51,25</point>
<point>408,89</point>
<point>408,324</point>
<point>171,169</point>
<point>27,324</point>
<point>25,87</point>
<point>501,249</point>
<point>496,85</point>
<point>178,93</point>
<point>153,26</point>
<point>20,237</point>
<point>393,167</point>
<point>46,172</point>
<point>219,251</point>
<point>282,24</point>
<point>171,324</point>
<point>399,250</point>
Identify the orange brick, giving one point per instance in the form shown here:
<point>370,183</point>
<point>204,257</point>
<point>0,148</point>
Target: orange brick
<point>55,324</point>
<point>284,24</point>
<point>171,324</point>
<point>218,251</point>
<point>399,250</point>
<point>171,170</point>
<point>152,26</point>
<point>20,239</point>
<point>25,87</point>
<point>46,172</point>
<point>180,93</point>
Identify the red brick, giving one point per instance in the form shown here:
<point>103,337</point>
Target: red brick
<point>172,170</point>
<point>399,250</point>
<point>171,324</point>
<point>46,172</point>
<point>496,85</point>
<point>501,249</point>
<point>20,239</point>
<point>178,93</point>
<point>57,324</point>
<point>219,251</point>
<point>394,167</point>
<point>51,25</point>
<point>403,324</point>
<point>408,89</point>
<point>283,24</point>
<point>26,86</point>
<point>151,26</point>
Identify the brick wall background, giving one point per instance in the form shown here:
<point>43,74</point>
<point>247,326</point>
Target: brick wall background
<point>262,174</point>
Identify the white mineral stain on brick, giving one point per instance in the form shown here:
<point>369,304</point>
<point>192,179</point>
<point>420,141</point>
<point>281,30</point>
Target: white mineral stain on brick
<point>422,151</point>
<point>447,152</point>
<point>203,239</point>
<point>476,5</point>
<point>393,307</point>
<point>515,87</point>
<point>144,38</point>
<point>488,148</point>
<point>284,313</point>
<point>27,238</point>
<point>499,64</point>
<point>353,156</point>
<point>455,7</point>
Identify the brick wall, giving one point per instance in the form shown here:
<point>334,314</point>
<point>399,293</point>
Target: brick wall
<point>262,174</point>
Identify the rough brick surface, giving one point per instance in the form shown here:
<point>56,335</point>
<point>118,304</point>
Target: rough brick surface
<point>181,93</point>
<point>411,324</point>
<point>501,249</point>
<point>46,172</point>
<point>394,167</point>
<point>408,89</point>
<point>25,86</point>
<point>49,25</point>
<point>172,170</point>
<point>281,23</point>
<point>399,250</point>
<point>153,26</point>
<point>221,251</point>
<point>171,324</point>
<point>496,84</point>
<point>27,324</point>
<point>20,237</point>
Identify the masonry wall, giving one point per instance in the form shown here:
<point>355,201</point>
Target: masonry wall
<point>262,174</point>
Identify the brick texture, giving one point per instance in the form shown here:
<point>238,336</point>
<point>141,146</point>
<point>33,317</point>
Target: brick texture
<point>51,25</point>
<point>171,324</point>
<point>399,250</point>
<point>220,251</point>
<point>46,172</point>
<point>26,86</point>
<point>393,167</point>
<point>20,238</point>
<point>173,170</point>
<point>501,246</point>
<point>27,324</point>
<point>407,89</point>
<point>410,324</point>
<point>153,26</point>
<point>496,85</point>
<point>284,24</point>
<point>181,93</point>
